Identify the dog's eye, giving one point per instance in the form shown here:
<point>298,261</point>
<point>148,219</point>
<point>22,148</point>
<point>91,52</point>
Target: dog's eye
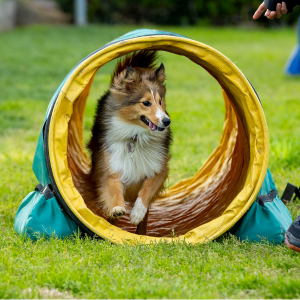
<point>147,103</point>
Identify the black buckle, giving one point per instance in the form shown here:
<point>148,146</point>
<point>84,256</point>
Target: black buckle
<point>45,190</point>
<point>266,198</point>
<point>289,192</point>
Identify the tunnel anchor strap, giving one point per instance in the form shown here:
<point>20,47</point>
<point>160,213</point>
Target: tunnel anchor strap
<point>48,192</point>
<point>45,190</point>
<point>266,198</point>
<point>289,192</point>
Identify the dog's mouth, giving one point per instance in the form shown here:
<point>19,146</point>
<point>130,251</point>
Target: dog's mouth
<point>151,125</point>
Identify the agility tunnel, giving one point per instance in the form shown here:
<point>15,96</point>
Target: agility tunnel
<point>233,191</point>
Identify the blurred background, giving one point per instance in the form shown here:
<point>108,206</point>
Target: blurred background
<point>161,12</point>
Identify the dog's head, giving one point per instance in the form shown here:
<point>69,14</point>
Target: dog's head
<point>139,94</point>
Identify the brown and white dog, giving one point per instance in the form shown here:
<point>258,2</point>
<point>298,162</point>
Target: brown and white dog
<point>130,140</point>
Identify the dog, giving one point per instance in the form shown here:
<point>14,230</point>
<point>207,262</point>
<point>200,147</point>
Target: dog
<point>130,142</point>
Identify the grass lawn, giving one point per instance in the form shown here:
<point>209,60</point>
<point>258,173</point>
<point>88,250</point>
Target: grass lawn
<point>33,62</point>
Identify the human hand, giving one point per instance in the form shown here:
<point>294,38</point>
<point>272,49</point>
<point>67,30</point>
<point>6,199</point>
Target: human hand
<point>280,10</point>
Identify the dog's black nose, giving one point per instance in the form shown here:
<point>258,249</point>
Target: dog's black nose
<point>166,121</point>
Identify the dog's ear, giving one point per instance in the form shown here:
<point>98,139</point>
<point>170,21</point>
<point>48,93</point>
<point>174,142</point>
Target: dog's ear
<point>160,73</point>
<point>126,81</point>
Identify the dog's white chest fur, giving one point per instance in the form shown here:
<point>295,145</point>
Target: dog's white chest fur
<point>148,156</point>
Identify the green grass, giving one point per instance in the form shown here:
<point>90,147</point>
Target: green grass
<point>33,63</point>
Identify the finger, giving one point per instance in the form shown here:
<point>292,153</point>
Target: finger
<point>259,11</point>
<point>267,13</point>
<point>283,8</point>
<point>278,11</point>
<point>272,15</point>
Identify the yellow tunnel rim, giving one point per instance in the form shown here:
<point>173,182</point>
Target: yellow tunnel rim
<point>225,69</point>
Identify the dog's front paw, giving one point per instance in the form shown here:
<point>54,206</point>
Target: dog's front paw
<point>138,212</point>
<point>118,212</point>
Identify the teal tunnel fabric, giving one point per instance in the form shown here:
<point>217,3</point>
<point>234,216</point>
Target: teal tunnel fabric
<point>264,223</point>
<point>40,217</point>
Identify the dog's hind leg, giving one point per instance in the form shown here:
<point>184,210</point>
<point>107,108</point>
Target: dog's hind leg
<point>142,226</point>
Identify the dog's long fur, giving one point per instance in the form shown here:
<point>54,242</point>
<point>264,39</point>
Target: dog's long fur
<point>121,116</point>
